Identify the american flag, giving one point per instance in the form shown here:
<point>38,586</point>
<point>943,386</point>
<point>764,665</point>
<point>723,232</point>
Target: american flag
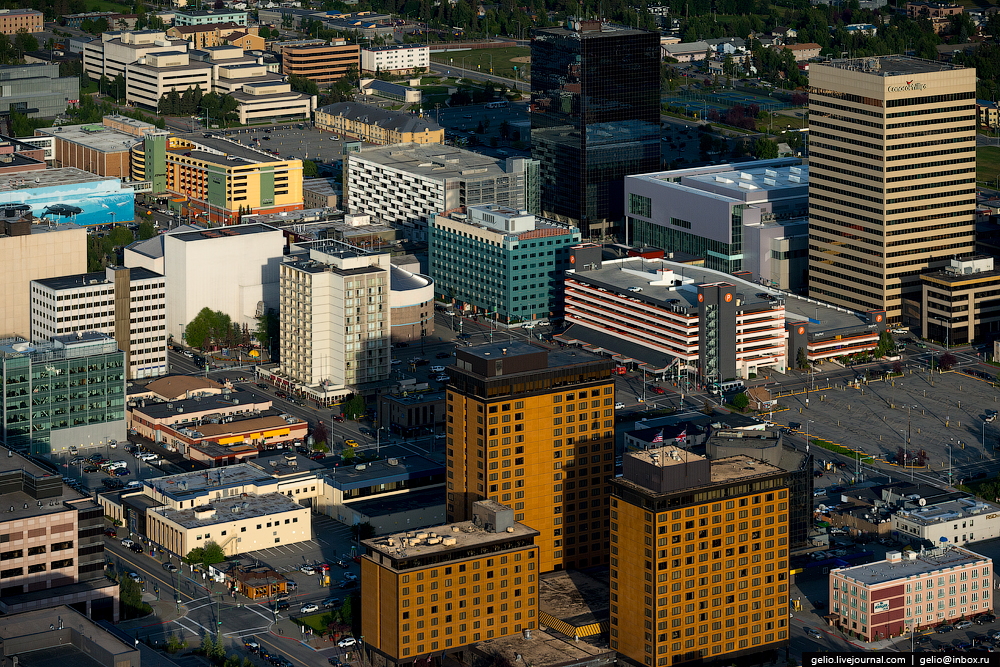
<point>659,436</point>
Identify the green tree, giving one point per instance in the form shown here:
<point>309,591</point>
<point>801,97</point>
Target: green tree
<point>24,41</point>
<point>309,169</point>
<point>362,531</point>
<point>213,554</point>
<point>194,556</point>
<point>741,401</point>
<point>801,360</point>
<point>118,88</point>
<point>103,84</point>
<point>208,330</point>
<point>146,230</point>
<point>765,149</point>
<point>354,407</point>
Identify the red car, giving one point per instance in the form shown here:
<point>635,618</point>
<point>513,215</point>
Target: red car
<point>338,418</point>
<point>656,389</point>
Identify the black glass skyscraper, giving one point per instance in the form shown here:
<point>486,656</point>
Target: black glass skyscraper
<point>595,98</point>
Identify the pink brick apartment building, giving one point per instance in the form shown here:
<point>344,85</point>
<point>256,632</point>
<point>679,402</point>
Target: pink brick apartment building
<point>936,586</point>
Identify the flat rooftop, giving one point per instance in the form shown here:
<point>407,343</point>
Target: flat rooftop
<point>380,506</point>
<point>406,466</point>
<point>172,386</point>
<point>32,622</point>
<point>664,457</point>
<point>217,232</point>
<point>619,275</point>
<point>87,279</point>
<point>202,404</point>
<point>924,562</point>
<point>575,597</point>
<point>739,467</point>
<point>465,533</point>
<point>48,178</point>
<point>949,510</point>
<point>894,65</point>
<point>435,161</point>
<point>251,506</point>
<point>219,149</point>
<point>556,358</point>
<point>186,484</point>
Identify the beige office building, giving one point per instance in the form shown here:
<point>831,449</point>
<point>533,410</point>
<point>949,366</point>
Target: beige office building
<point>892,169</point>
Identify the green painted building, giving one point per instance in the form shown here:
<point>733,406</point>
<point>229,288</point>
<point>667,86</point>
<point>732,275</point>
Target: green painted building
<point>494,259</point>
<point>69,392</point>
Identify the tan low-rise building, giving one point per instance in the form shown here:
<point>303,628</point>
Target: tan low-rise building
<point>804,51</point>
<point>375,125</point>
<point>12,21</point>
<point>211,34</point>
<point>958,304</point>
<point>323,63</point>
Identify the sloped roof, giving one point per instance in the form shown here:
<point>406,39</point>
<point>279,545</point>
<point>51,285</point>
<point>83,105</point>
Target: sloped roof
<point>373,115</point>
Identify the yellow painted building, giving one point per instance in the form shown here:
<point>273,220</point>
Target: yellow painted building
<point>375,125</point>
<point>214,178</point>
<point>699,557</point>
<point>534,428</point>
<point>213,34</point>
<point>439,590</point>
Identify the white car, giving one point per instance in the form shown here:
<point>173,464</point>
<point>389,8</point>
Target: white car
<point>634,289</point>
<point>396,362</point>
<point>442,378</point>
<point>309,608</point>
<point>135,577</point>
<point>619,406</point>
<point>350,576</point>
<point>307,569</point>
<point>529,325</point>
<point>437,369</point>
<point>127,543</point>
<point>347,642</point>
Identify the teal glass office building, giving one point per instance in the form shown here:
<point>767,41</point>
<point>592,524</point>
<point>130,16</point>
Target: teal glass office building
<point>64,393</point>
<point>494,259</point>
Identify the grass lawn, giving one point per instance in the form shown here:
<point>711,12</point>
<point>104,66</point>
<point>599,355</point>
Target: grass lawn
<point>987,164</point>
<point>318,622</point>
<point>107,6</point>
<point>480,59</point>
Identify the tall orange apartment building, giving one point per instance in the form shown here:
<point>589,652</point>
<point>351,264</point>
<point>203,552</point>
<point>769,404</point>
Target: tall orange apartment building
<point>534,428</point>
<point>436,591</point>
<point>699,557</point>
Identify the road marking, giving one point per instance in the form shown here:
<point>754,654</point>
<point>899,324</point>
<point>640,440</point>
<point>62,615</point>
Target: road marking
<point>178,622</point>
<point>239,633</point>
<point>250,607</point>
<point>199,625</point>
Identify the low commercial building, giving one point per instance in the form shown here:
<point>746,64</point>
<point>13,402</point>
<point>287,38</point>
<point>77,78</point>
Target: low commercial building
<point>928,9</point>
<point>325,64</point>
<point>127,304</point>
<point>103,149</point>
<point>214,177</point>
<point>751,216</point>
<point>217,430</point>
<point>29,252</point>
<point>481,259</point>
<point>412,413</point>
<point>391,91</point>
<point>115,20</point>
<point>395,58</point>
<point>320,192</point>
<point>401,490</point>
<point>53,551</point>
<point>43,412</point>
<point>210,16</point>
<point>803,52</point>
<point>211,34</point>
<point>445,556</point>
<point>676,318</point>
<point>180,512</point>
<point>988,113</point>
<point>176,388</point>
<point>887,598</point>
<point>958,521</point>
<point>958,303</point>
<point>374,125</point>
<point>13,21</point>
<point>406,185</point>
<point>37,90</point>
<point>685,52</point>
<point>69,194</point>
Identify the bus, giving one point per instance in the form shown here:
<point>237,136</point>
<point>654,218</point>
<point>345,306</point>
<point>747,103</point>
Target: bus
<point>498,105</point>
<point>728,387</point>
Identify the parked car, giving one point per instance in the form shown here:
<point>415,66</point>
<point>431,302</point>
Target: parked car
<point>619,406</point>
<point>309,608</point>
<point>281,605</point>
<point>350,576</point>
<point>962,625</point>
<point>942,629</point>
<point>437,369</point>
<point>442,355</point>
<point>111,532</point>
<point>127,543</point>
<point>347,642</point>
<point>813,633</point>
<point>986,618</point>
<point>338,418</point>
<point>307,569</point>
<point>331,602</point>
<point>134,576</point>
<point>136,548</point>
<point>170,567</point>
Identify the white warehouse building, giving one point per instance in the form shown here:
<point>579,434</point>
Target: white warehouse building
<point>958,521</point>
<point>233,270</point>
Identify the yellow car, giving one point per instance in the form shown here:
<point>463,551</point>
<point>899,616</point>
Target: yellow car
<point>350,443</point>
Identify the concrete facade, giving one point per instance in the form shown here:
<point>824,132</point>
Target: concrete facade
<point>103,149</point>
<point>13,21</point>
<point>37,90</point>
<point>325,64</point>
<point>395,59</point>
<point>44,252</point>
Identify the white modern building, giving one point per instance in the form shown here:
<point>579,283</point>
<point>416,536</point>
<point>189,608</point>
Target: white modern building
<point>128,304</point>
<point>959,521</point>
<point>395,59</point>
<point>156,74</point>
<point>751,216</point>
<point>233,270</point>
<point>335,318</point>
<point>109,55</point>
<point>406,185</point>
